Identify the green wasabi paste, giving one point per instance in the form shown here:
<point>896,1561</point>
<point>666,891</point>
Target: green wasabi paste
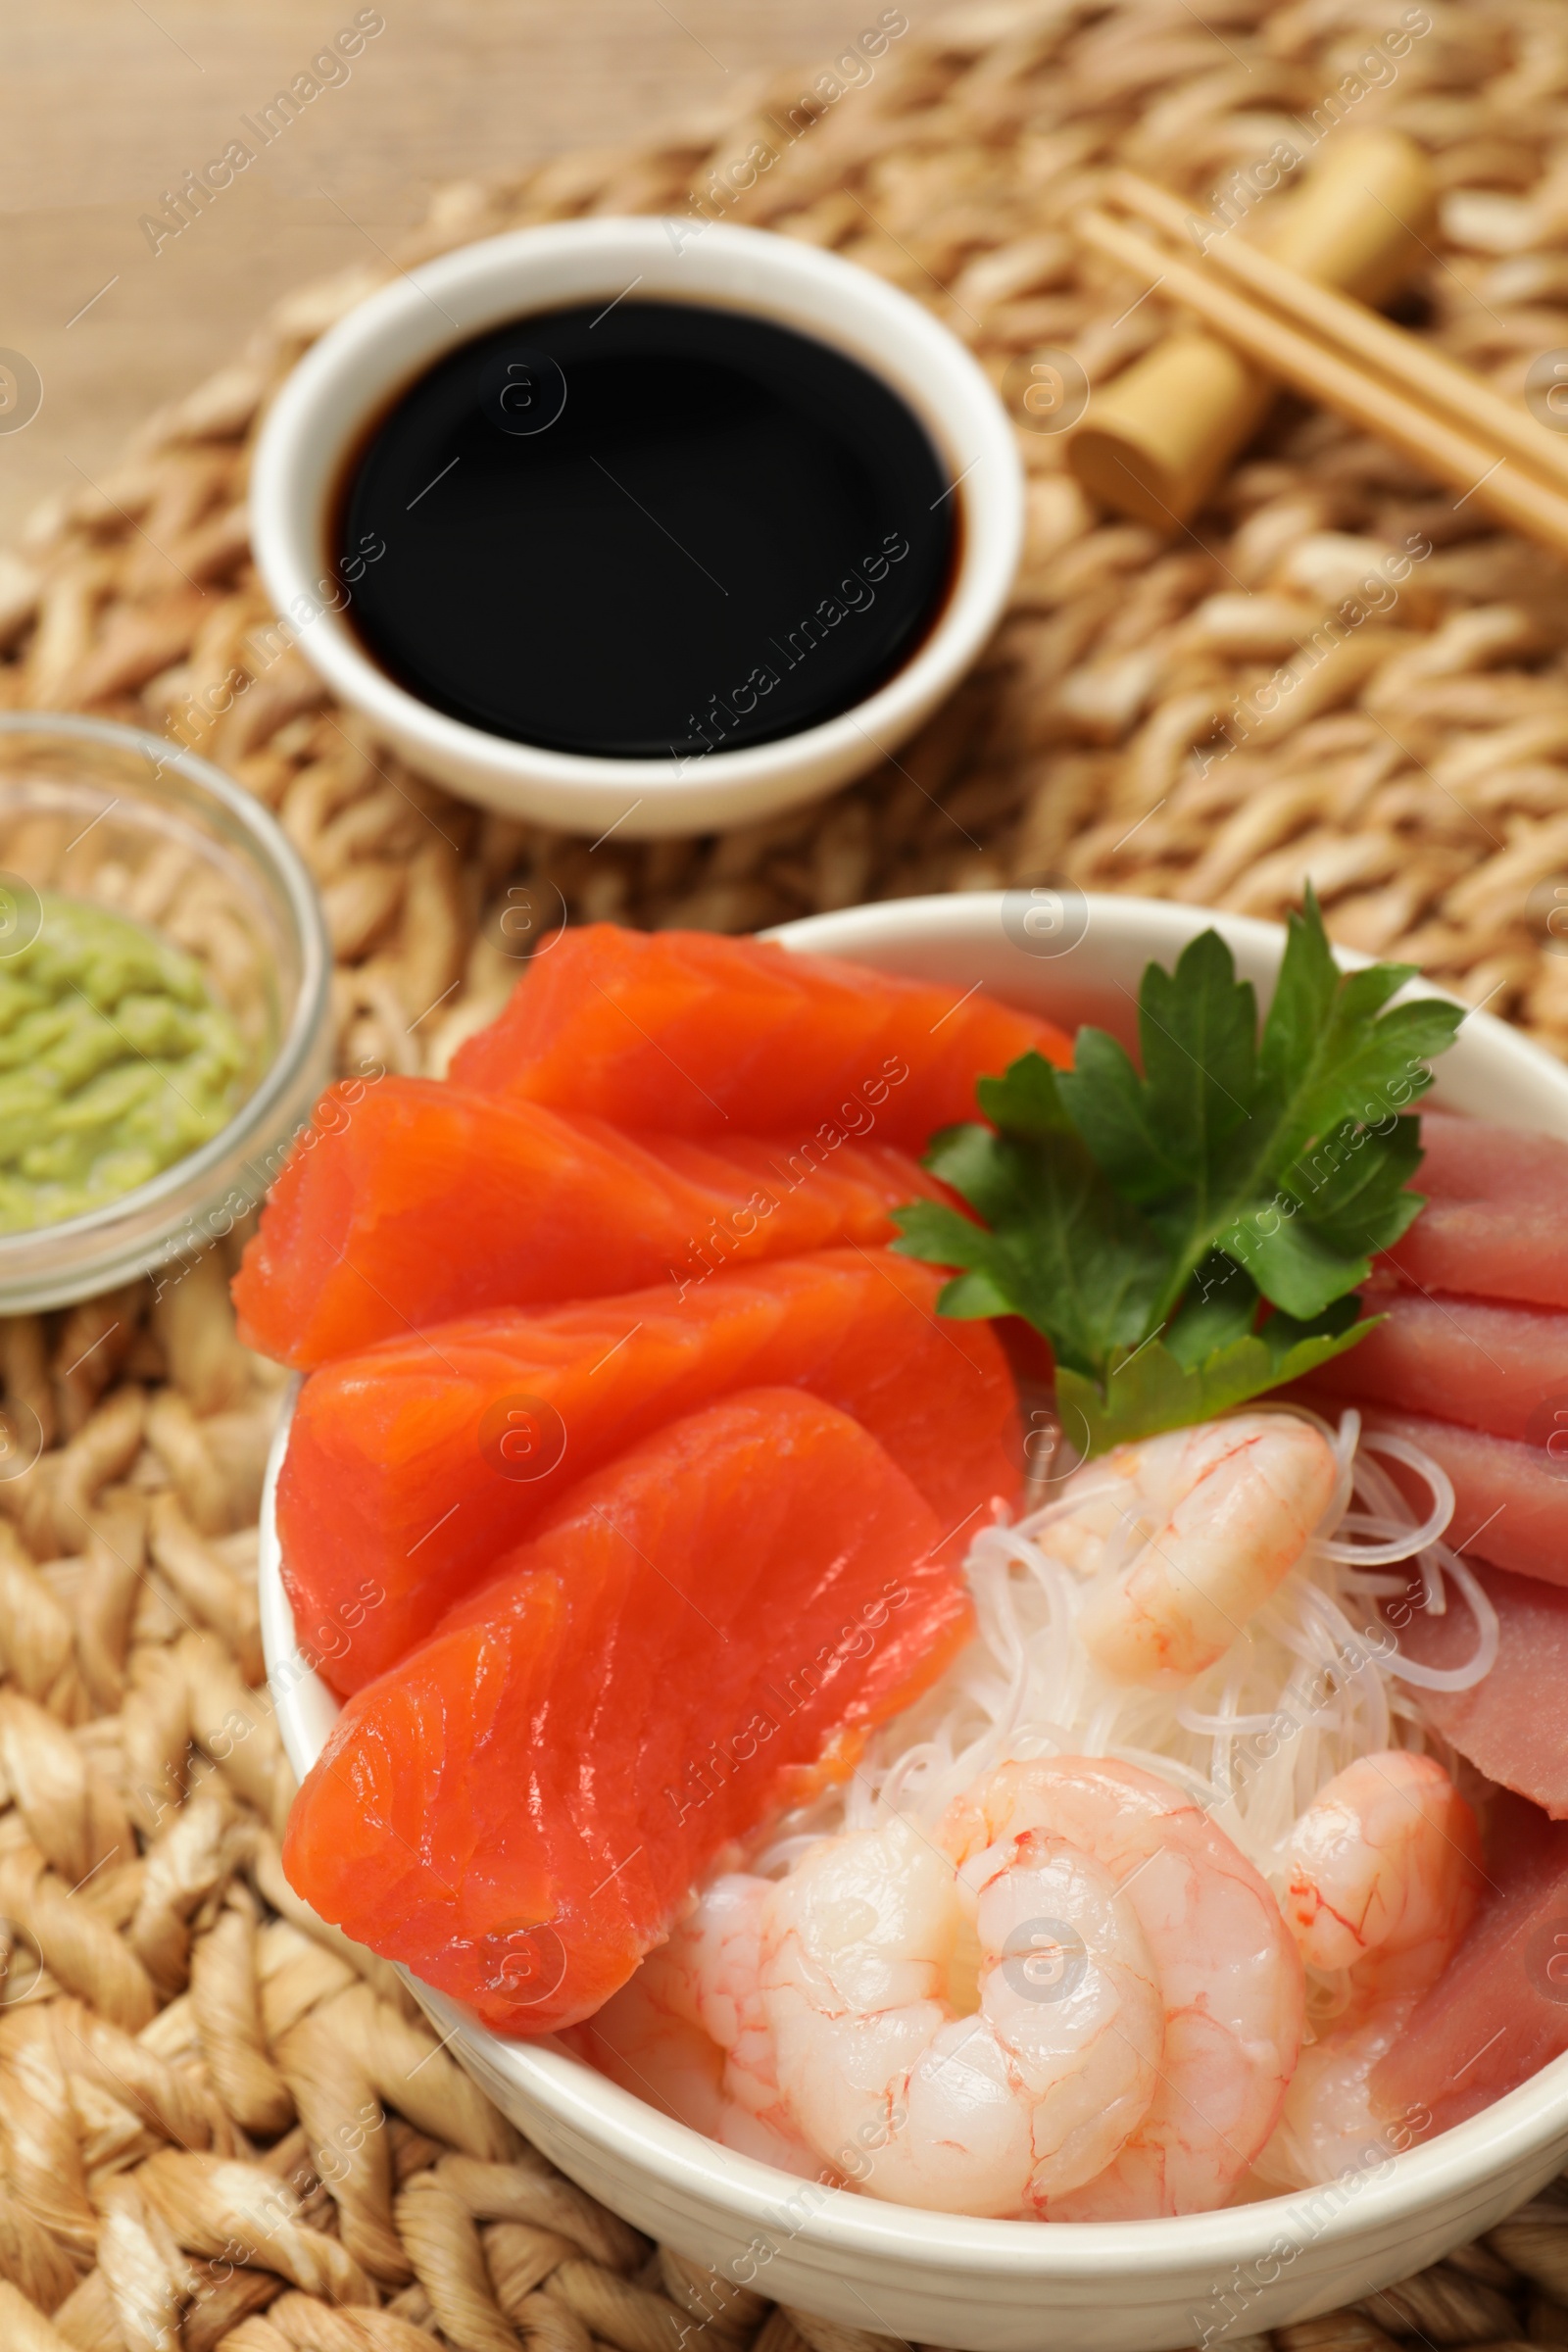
<point>115,1061</point>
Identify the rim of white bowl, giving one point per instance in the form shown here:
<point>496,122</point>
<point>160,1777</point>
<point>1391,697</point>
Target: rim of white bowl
<point>1510,2131</point>
<point>385,342</point>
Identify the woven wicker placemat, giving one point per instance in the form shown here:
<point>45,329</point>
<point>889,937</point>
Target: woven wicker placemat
<point>220,2124</point>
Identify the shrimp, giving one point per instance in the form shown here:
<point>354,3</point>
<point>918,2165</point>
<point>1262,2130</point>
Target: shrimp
<point>1186,1536</point>
<point>1231,1981</point>
<point>1384,1872</point>
<point>1079,2001</point>
<point>929,2045</point>
<point>688,2030</point>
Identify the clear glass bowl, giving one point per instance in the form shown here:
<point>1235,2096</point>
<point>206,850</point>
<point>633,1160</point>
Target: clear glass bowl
<point>123,819</point>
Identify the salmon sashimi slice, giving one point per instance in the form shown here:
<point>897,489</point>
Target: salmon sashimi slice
<point>1513,1724</point>
<point>1486,1365</point>
<point>695,1636</point>
<point>410,1468</point>
<point>1510,1499</point>
<point>1495,1223</point>
<point>423,1202</point>
<point>701,1035</point>
<point>1498,2012</point>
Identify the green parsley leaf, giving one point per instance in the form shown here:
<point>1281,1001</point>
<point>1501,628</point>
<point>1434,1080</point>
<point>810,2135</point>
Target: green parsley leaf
<point>1060,1249</point>
<point>1316,1237</point>
<point>1154,1390</point>
<point>1145,1219</point>
<point>1220,1307</point>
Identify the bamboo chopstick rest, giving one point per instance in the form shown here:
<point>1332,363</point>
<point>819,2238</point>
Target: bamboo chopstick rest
<point>1154,442</point>
<point>1414,401</point>
<point>1359,334</point>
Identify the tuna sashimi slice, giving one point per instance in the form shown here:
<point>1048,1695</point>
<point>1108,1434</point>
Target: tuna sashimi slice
<point>410,1468</point>
<point>699,1035</point>
<point>1492,1368</point>
<point>1513,1724</point>
<point>694,1638</point>
<point>1499,2010</point>
<point>1511,1500</point>
<point>1495,1223</point>
<point>423,1202</point>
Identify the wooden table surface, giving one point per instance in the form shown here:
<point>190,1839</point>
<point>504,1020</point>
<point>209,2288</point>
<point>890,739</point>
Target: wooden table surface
<point>105,103</point>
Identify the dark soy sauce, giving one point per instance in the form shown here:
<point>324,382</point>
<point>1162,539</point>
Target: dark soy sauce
<point>652,529</point>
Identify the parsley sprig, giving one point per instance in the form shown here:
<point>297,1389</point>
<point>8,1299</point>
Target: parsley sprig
<point>1193,1235</point>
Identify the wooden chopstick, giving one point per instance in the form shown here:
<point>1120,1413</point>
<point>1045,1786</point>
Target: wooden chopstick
<point>1428,377</point>
<point>1465,462</point>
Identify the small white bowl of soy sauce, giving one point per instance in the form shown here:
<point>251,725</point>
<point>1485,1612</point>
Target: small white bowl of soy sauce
<point>639,525</point>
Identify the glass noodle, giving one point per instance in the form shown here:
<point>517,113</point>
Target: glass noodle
<point>1315,1679</point>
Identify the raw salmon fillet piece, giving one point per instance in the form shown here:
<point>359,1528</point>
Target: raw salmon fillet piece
<point>1495,1223</point>
<point>409,1469</point>
<point>1499,2010</point>
<point>699,1035</point>
<point>694,1638</point>
<point>1469,1361</point>
<point>423,1202</point>
<point>1511,1500</point>
<point>1513,1724</point>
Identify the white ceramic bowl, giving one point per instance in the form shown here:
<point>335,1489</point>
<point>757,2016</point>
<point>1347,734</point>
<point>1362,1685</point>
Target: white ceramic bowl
<point>1012,2286</point>
<point>356,369</point>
